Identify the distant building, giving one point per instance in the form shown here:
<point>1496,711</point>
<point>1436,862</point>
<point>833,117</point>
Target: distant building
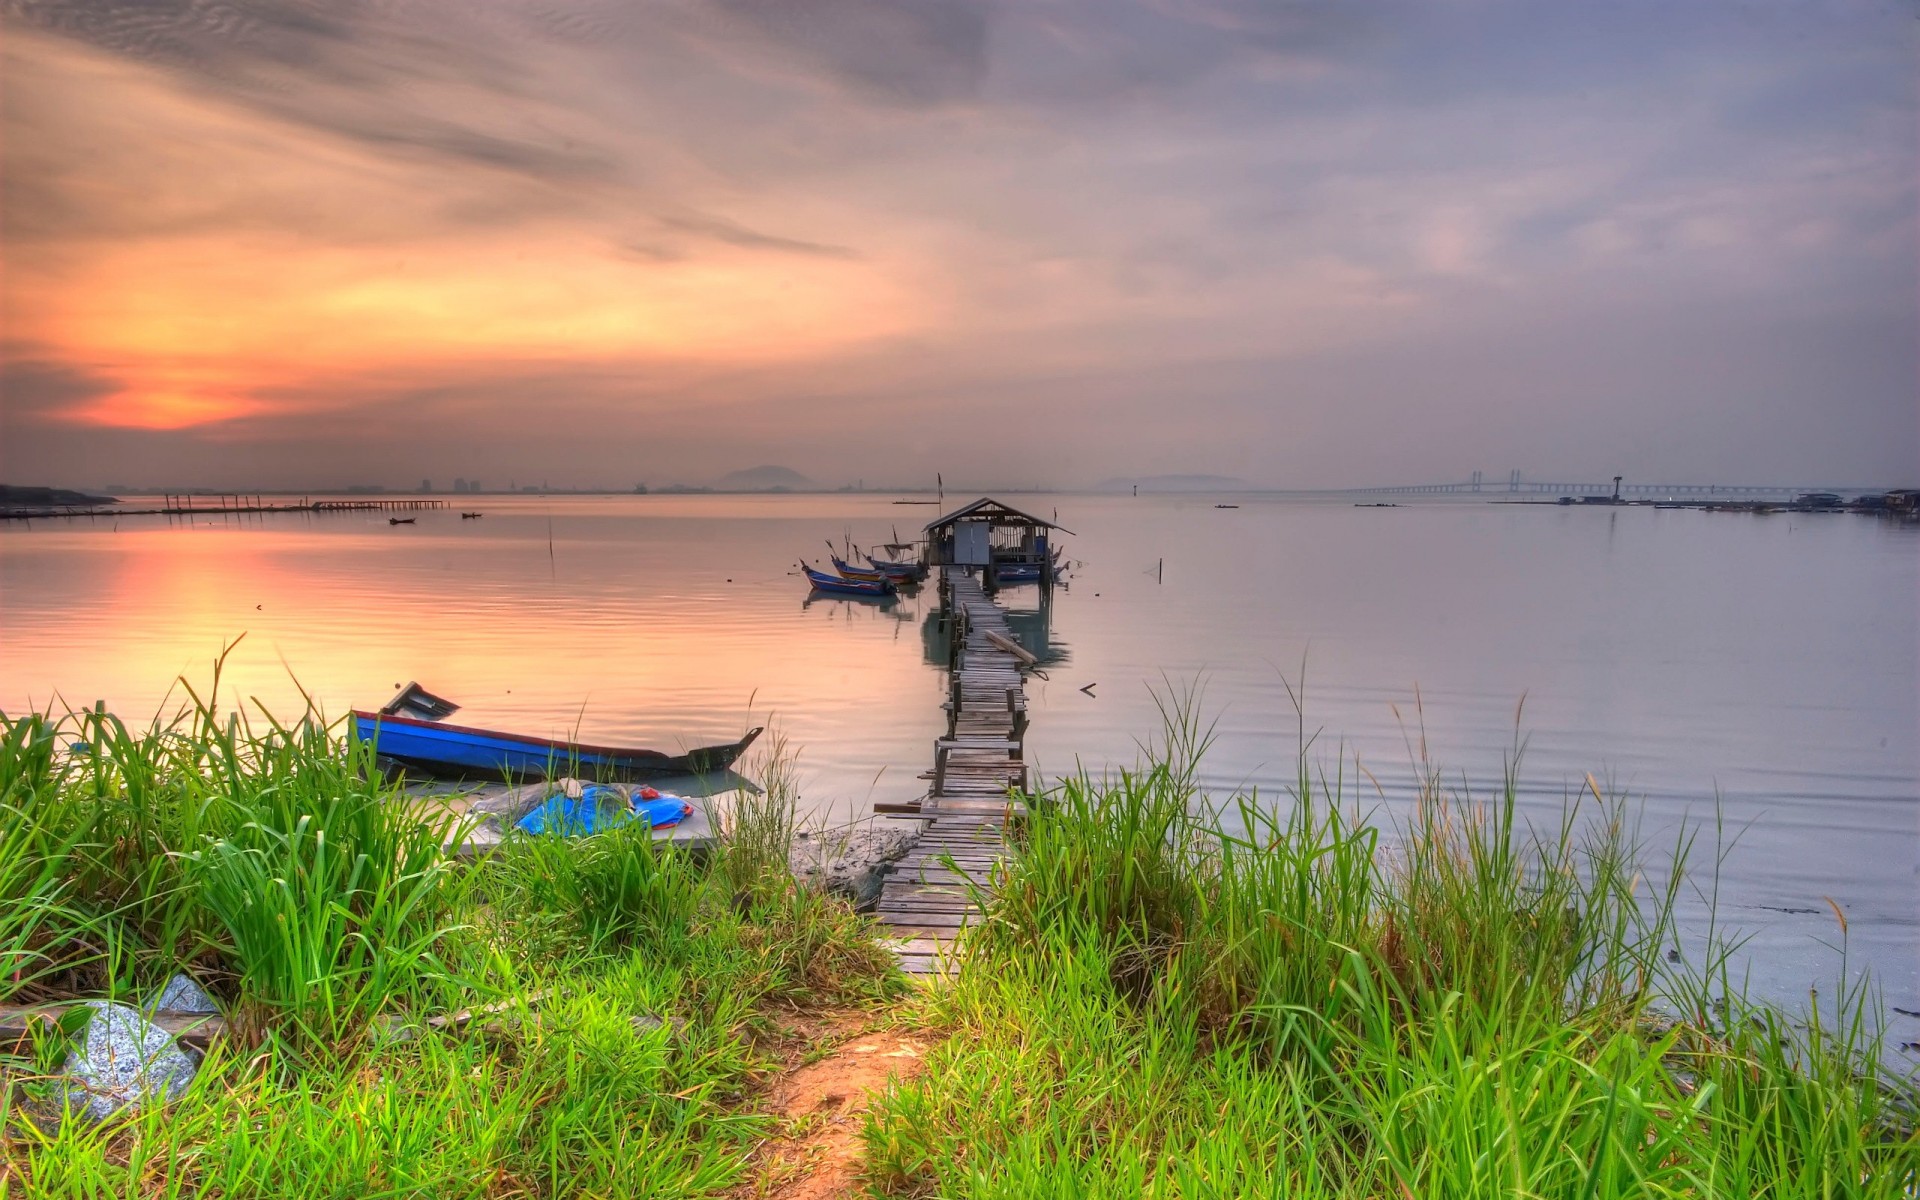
<point>426,485</point>
<point>473,485</point>
<point>639,489</point>
<point>459,484</point>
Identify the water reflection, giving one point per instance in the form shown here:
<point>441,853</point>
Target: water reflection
<point>1034,629</point>
<point>936,637</point>
<point>884,604</point>
<point>1032,625</point>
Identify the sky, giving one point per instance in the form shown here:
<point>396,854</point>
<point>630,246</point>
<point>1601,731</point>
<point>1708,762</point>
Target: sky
<point>1045,242</point>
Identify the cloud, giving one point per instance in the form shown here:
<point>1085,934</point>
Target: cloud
<point>911,52</point>
<point>34,391</point>
<point>390,78</point>
<point>723,230</point>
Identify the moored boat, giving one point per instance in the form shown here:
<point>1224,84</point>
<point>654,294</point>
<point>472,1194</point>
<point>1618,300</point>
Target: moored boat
<point>841,586</point>
<point>438,750</point>
<point>862,574</point>
<point>898,572</point>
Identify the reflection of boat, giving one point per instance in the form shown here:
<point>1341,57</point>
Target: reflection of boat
<point>886,601</point>
<point>457,752</point>
<point>838,586</point>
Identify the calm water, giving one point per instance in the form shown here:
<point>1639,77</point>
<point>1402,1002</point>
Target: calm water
<point>1678,656</point>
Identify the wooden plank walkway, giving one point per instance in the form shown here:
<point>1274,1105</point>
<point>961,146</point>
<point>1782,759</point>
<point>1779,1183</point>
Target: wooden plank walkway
<point>936,889</point>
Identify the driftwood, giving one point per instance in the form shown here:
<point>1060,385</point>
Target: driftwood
<point>1001,641</point>
<point>18,1022</point>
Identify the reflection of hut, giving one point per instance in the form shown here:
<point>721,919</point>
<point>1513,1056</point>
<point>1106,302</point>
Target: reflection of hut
<point>1007,545</point>
<point>1031,627</point>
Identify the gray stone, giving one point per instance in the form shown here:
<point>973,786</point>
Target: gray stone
<point>123,1061</point>
<point>484,837</point>
<point>182,994</point>
<point>645,1023</point>
<point>851,863</point>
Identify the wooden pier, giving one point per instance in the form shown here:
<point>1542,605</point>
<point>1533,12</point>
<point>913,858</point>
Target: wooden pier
<point>226,505</point>
<point>978,772</point>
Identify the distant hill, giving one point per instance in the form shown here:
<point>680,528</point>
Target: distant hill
<point>1174,483</point>
<point>12,496</point>
<point>765,479</point>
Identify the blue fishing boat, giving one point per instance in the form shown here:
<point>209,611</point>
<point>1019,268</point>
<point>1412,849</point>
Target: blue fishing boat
<point>438,750</point>
<point>839,586</point>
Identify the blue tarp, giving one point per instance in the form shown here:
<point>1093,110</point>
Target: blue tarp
<point>599,807</point>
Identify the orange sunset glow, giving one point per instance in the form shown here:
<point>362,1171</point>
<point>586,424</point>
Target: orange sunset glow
<point>191,321</point>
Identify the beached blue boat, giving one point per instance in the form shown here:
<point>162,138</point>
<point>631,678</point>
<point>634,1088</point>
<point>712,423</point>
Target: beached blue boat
<point>837,586</point>
<point>435,749</point>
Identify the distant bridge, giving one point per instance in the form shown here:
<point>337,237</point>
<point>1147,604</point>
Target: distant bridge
<point>1530,487</point>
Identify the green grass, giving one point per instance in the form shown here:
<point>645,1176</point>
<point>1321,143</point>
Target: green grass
<point>1163,1002</point>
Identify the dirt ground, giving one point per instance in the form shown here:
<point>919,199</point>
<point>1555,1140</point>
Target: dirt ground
<point>817,1157</point>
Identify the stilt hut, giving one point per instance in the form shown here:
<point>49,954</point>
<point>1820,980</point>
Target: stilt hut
<point>1003,543</point>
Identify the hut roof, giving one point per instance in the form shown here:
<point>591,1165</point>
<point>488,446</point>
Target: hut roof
<point>986,508</point>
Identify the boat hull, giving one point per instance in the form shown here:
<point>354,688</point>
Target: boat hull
<point>458,752</point>
<point>899,572</point>
<point>834,585</point>
<point>858,574</point>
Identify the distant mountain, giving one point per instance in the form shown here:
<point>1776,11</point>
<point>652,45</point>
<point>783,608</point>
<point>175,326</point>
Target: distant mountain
<point>765,479</point>
<point>1173,483</point>
<point>47,497</point>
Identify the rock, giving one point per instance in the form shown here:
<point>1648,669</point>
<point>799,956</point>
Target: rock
<point>851,863</point>
<point>646,1023</point>
<point>182,994</point>
<point>485,837</point>
<point>123,1061</point>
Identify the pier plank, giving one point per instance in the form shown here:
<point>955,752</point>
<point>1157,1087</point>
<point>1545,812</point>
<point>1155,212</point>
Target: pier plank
<point>977,781</point>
